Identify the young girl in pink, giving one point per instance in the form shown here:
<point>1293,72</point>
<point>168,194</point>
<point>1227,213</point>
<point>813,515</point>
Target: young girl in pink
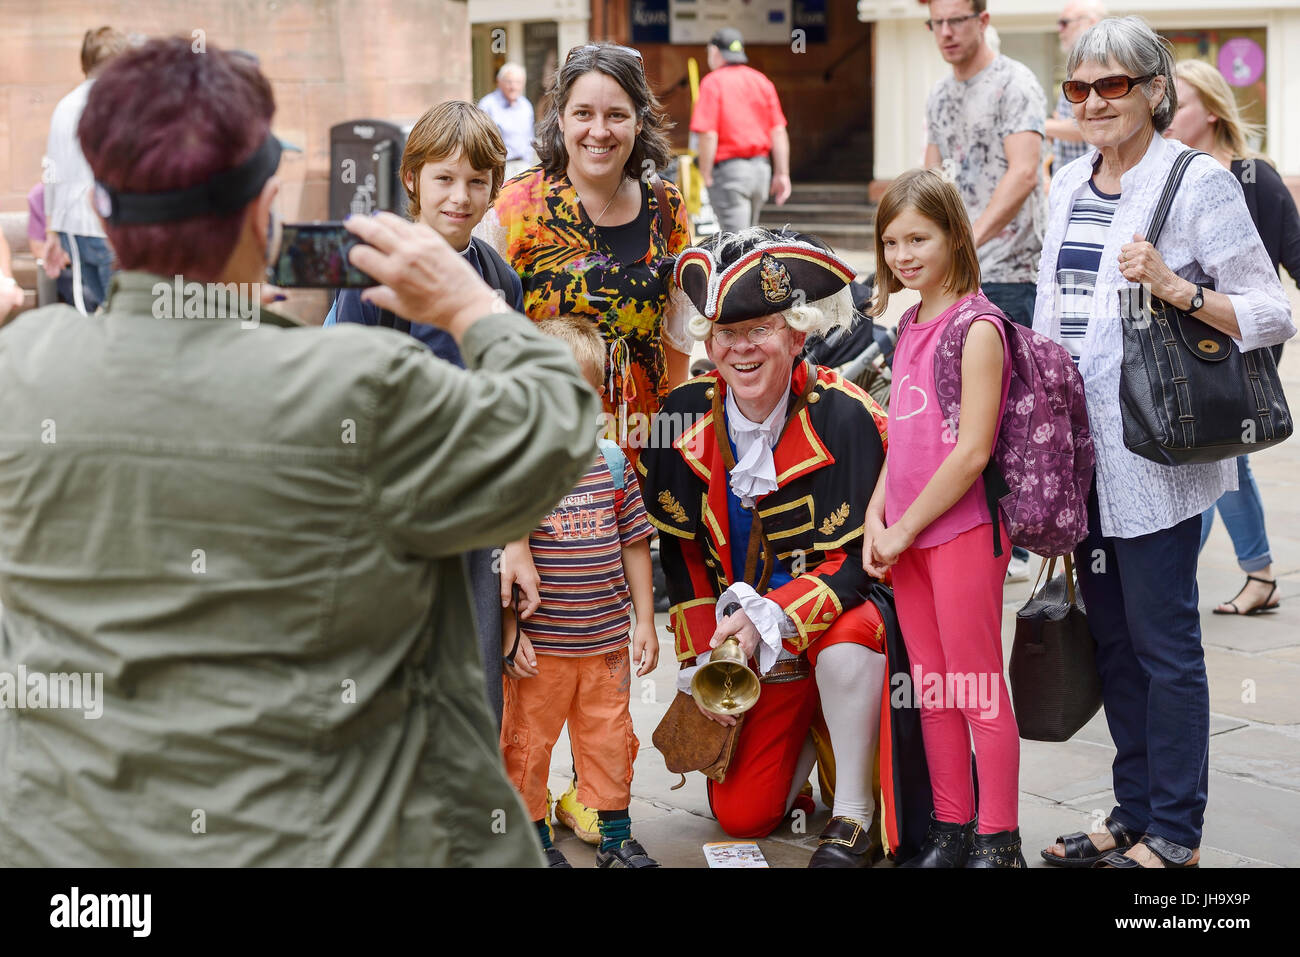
<point>928,521</point>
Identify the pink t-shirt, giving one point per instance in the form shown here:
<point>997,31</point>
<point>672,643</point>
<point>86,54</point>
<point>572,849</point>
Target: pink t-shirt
<point>919,438</point>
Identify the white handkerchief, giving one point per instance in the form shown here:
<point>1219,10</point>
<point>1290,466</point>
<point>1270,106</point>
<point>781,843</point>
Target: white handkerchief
<point>755,473</point>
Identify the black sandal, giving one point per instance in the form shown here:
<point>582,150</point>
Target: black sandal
<point>1173,856</point>
<point>1266,605</point>
<point>1081,852</point>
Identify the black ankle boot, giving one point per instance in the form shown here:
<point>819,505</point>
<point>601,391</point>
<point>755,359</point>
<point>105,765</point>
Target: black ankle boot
<point>996,850</point>
<point>945,845</point>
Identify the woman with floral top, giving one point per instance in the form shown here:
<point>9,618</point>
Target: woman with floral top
<point>593,232</point>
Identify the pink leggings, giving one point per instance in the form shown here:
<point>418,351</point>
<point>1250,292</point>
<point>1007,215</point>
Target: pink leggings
<point>949,601</point>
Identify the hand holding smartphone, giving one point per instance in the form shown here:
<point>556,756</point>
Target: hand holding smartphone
<point>315,256</point>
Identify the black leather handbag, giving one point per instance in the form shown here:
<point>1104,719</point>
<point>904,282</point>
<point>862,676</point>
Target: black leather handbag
<point>1055,688</point>
<point>1186,392</point>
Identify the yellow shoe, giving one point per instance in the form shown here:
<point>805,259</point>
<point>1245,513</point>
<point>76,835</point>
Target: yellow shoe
<point>576,816</point>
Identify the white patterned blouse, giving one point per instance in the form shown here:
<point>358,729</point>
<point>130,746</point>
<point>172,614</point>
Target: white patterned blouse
<point>1208,238</point>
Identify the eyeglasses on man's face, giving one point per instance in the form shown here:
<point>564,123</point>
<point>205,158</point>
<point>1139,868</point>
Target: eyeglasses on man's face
<point>934,26</point>
<point>757,334</point>
<point>1108,87</point>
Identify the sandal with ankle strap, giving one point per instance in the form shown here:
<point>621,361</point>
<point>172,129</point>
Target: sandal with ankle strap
<point>1173,856</point>
<point>1263,607</point>
<point>1081,852</point>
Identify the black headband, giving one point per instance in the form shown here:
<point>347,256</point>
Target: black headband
<point>226,192</point>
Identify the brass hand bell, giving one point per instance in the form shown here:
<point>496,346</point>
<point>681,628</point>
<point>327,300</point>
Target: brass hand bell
<point>725,684</point>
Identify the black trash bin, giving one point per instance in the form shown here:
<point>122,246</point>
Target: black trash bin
<point>365,158</point>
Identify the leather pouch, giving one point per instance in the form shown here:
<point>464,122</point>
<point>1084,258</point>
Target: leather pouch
<point>689,741</point>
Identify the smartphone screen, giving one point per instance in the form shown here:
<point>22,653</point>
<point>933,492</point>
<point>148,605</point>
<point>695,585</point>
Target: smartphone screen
<point>315,256</point>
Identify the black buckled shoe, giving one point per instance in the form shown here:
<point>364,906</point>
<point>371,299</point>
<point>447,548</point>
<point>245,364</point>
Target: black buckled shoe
<point>945,845</point>
<point>1000,849</point>
<point>1171,855</point>
<point>555,858</point>
<point>847,843</point>
<point>628,854</point>
<point>1080,851</point>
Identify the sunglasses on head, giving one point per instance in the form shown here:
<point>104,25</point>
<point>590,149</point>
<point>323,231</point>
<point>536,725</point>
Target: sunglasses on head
<point>1108,87</point>
<point>592,47</point>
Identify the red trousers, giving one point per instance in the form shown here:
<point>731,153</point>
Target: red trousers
<point>751,802</point>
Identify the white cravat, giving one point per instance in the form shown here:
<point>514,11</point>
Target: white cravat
<point>755,472</point>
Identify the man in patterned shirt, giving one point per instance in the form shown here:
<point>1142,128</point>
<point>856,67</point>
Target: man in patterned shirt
<point>986,126</point>
<point>1067,141</point>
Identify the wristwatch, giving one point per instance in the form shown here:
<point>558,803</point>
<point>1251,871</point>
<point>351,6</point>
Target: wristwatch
<point>1198,299</point>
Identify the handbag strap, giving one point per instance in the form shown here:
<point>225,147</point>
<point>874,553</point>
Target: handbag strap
<point>1167,197</point>
<point>1049,566</point>
<point>665,215</point>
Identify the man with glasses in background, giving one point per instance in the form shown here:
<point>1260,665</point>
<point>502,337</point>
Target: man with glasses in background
<point>513,115</point>
<point>1067,141</point>
<point>985,125</point>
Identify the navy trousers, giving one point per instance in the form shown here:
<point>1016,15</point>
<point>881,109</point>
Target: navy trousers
<point>1141,600</point>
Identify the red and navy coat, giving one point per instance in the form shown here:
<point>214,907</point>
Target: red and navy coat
<point>827,459</point>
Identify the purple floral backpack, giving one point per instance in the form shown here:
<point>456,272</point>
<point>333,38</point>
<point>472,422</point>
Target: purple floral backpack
<point>1043,456</point>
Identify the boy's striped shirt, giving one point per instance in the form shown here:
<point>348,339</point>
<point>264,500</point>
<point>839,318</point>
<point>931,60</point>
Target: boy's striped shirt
<point>577,550</point>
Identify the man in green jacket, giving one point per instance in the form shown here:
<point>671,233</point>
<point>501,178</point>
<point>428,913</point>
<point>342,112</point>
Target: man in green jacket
<point>236,625</point>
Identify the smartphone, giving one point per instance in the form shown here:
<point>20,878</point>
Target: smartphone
<point>315,256</point>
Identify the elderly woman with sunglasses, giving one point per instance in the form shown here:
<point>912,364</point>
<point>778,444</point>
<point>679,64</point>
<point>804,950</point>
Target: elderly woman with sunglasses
<point>1137,568</point>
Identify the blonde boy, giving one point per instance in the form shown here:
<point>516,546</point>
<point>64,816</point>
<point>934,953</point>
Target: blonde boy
<point>568,660</point>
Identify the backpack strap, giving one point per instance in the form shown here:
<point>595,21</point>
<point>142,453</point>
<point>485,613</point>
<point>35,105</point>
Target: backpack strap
<point>495,269</point>
<point>907,321</point>
<point>617,462</point>
<point>995,487</point>
<point>995,483</point>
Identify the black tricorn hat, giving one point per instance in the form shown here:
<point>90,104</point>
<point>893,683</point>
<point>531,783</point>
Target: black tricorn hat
<point>731,278</point>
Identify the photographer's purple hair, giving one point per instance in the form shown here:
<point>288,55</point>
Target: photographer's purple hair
<point>162,117</point>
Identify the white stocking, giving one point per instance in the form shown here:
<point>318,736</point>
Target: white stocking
<point>807,758</point>
<point>850,680</point>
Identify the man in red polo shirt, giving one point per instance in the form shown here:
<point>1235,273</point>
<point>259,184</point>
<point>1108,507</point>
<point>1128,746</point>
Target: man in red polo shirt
<point>744,147</point>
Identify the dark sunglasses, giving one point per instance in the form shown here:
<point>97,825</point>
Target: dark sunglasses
<point>592,47</point>
<point>1108,87</point>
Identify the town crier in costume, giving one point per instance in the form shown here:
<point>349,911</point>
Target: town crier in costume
<point>761,496</point>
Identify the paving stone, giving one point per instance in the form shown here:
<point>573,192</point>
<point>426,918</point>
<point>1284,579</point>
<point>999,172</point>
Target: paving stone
<point>1289,653</point>
<point>1263,754</point>
<point>1063,771</point>
<point>1253,820</point>
<point>1255,633</point>
<point>1274,690</point>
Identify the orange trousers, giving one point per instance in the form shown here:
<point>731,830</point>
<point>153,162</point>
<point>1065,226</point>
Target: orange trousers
<point>591,694</point>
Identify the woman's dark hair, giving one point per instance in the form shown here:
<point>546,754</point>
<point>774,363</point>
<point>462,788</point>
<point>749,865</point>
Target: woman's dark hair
<point>629,73</point>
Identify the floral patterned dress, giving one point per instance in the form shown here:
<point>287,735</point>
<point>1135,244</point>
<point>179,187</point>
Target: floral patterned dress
<point>538,225</point>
